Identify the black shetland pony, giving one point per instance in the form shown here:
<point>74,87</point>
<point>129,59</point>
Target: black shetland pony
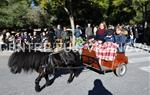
<point>46,64</point>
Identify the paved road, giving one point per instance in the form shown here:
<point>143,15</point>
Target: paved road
<point>135,82</point>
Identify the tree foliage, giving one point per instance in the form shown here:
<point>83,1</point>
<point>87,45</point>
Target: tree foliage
<point>44,13</point>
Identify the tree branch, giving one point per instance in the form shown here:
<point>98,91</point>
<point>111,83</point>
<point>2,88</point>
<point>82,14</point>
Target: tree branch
<point>67,11</point>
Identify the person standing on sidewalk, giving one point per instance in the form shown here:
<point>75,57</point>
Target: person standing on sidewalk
<point>88,31</point>
<point>58,32</point>
<point>51,37</point>
<point>65,37</point>
<point>77,32</point>
<point>131,39</point>
<point>1,42</point>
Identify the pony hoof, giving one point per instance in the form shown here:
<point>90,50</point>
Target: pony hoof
<point>37,88</point>
<point>49,83</point>
<point>69,81</point>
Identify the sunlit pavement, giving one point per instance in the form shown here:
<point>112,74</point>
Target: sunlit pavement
<point>135,82</point>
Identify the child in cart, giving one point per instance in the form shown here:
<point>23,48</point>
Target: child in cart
<point>120,38</point>
<point>109,36</point>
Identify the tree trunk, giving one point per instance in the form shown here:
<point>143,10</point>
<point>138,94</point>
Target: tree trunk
<point>71,18</point>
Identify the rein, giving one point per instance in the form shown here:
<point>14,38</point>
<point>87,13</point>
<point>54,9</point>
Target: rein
<point>79,67</point>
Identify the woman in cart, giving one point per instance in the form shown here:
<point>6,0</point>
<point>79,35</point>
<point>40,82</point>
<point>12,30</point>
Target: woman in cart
<point>101,32</point>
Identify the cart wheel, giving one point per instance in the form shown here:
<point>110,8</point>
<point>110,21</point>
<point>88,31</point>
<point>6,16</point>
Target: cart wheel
<point>120,70</point>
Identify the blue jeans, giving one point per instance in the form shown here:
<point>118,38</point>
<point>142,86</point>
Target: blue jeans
<point>131,41</point>
<point>121,48</point>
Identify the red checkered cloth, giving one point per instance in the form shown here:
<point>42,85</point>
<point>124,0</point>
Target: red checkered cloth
<point>106,51</point>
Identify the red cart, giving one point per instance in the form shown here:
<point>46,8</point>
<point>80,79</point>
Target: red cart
<point>118,66</point>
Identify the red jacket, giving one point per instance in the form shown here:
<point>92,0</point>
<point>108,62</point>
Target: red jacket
<point>101,32</point>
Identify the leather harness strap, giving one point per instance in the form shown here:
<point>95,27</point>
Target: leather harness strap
<point>50,61</point>
<point>62,57</point>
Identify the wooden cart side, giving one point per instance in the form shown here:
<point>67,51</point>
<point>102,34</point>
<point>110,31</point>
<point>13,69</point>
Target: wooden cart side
<point>121,58</point>
<point>89,59</point>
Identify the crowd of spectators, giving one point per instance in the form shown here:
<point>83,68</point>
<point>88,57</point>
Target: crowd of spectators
<point>36,39</point>
<point>62,36</point>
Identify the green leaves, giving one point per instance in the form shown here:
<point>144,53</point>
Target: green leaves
<point>101,3</point>
<point>117,3</point>
<point>20,14</point>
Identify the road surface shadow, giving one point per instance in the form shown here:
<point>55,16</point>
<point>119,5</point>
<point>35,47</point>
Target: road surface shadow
<point>58,74</point>
<point>99,89</point>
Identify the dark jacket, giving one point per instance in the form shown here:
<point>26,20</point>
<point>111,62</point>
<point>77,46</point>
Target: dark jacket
<point>110,37</point>
<point>58,33</point>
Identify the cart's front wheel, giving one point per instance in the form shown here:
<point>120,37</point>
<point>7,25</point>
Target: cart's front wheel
<point>120,70</point>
